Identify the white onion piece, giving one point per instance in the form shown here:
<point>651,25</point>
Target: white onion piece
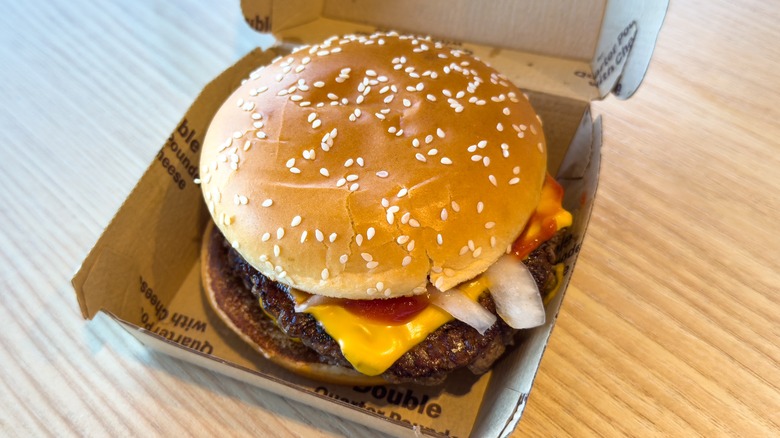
<point>314,300</point>
<point>463,308</point>
<point>517,298</point>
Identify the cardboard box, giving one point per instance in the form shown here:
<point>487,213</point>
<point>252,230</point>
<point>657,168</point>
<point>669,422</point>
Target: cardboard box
<point>144,270</point>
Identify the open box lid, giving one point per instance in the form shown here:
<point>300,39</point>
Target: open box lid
<point>570,48</point>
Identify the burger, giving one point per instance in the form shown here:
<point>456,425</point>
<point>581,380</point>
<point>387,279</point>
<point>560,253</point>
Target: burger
<point>381,211</point>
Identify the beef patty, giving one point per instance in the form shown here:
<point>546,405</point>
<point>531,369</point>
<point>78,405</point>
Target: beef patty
<point>452,346</point>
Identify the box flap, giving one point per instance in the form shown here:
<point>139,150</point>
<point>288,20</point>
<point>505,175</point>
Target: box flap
<point>574,49</point>
<point>626,44</point>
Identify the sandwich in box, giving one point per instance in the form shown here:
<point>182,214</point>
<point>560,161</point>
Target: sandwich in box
<point>144,272</point>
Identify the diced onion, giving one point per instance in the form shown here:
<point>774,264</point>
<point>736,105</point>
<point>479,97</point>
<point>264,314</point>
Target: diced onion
<point>314,300</point>
<point>463,308</point>
<point>517,297</point>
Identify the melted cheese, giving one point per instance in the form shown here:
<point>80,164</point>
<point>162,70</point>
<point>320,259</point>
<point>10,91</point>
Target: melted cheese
<point>373,346</point>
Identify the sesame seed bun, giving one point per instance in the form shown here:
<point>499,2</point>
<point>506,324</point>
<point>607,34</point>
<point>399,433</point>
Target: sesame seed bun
<point>366,167</point>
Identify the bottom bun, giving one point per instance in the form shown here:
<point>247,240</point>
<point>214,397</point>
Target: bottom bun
<point>239,310</point>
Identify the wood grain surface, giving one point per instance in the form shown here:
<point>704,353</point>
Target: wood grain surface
<point>670,326</point>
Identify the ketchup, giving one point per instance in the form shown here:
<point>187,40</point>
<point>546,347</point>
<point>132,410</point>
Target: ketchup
<point>393,311</point>
<point>542,226</point>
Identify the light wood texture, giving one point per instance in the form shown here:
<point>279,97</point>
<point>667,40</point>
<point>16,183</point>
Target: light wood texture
<point>670,326</point>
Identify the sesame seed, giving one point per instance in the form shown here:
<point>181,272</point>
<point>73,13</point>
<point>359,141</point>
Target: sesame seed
<point>402,192</point>
<point>370,233</point>
<point>481,144</point>
<point>387,99</point>
<point>354,187</point>
<point>261,135</point>
<point>295,221</point>
<point>446,92</point>
<point>390,218</point>
<point>516,170</point>
<point>493,180</point>
<point>360,161</point>
<point>290,163</point>
<point>439,239</point>
<point>380,286</point>
<point>533,129</point>
<point>277,251</point>
<point>385,203</point>
<point>295,170</point>
<point>392,129</point>
<point>382,174</point>
<point>477,252</point>
<point>372,265</point>
<point>410,246</point>
<point>428,139</point>
<point>472,148</point>
<point>319,84</point>
<point>352,177</point>
<point>414,223</point>
<point>420,157</point>
<point>265,237</point>
<point>379,116</point>
<point>332,237</point>
<point>440,132</point>
<point>514,181</point>
<point>324,172</point>
<point>267,203</point>
<point>446,160</point>
<point>506,111</point>
<point>371,291</point>
<point>439,282</point>
<point>341,182</point>
<point>540,146</point>
<point>406,261</point>
<point>476,157</point>
<point>486,161</point>
<point>431,97</point>
<point>444,214</point>
<point>405,218</point>
<point>325,274</point>
<point>311,117</point>
<point>415,143</point>
<point>492,241</point>
<point>499,127</point>
<point>470,245</point>
<point>490,225</point>
<point>359,239</point>
<point>402,239</point>
<point>304,235</point>
<point>318,235</point>
<point>464,250</point>
<point>433,152</point>
<point>407,103</point>
<point>279,233</point>
<point>343,259</point>
<point>480,206</point>
<point>234,244</point>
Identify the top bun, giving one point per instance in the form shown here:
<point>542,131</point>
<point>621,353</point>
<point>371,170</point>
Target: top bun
<point>367,166</point>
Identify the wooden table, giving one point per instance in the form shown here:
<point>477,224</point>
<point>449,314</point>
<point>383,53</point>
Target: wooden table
<point>670,326</point>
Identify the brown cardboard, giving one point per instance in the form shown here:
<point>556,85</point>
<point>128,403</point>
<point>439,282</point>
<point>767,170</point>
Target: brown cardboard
<point>144,270</point>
